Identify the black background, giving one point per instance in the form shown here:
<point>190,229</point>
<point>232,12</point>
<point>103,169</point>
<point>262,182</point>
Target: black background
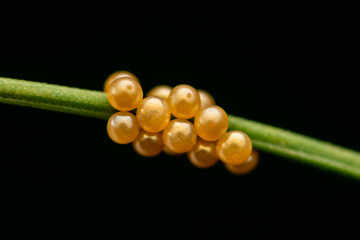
<point>294,67</point>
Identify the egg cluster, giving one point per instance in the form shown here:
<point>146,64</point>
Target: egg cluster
<point>176,121</point>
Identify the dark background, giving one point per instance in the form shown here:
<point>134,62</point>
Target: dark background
<point>294,67</point>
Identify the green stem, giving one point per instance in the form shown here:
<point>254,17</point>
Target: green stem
<point>299,147</point>
<point>56,98</point>
<point>264,137</point>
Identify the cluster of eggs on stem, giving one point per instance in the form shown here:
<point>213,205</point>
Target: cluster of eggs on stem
<point>198,128</point>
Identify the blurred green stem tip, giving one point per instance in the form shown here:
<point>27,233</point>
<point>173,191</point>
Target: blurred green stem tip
<point>267,138</point>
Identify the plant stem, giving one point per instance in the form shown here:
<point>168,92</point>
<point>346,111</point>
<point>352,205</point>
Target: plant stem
<point>56,98</point>
<point>264,137</point>
<point>299,147</point>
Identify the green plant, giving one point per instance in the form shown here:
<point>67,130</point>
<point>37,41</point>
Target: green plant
<point>264,137</point>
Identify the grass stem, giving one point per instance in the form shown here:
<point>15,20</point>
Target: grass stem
<point>267,138</point>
